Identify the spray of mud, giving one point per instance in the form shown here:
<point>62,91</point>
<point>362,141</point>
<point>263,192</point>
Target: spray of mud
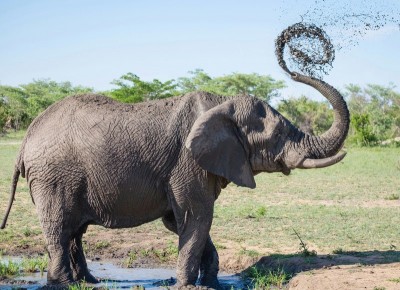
<point>306,44</point>
<point>309,49</point>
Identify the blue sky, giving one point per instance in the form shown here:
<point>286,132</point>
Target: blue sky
<point>93,42</point>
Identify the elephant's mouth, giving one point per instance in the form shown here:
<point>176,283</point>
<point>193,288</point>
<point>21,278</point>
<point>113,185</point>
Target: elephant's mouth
<point>267,162</point>
<point>285,170</point>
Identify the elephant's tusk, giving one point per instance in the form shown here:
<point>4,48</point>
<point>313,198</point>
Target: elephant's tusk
<point>320,163</point>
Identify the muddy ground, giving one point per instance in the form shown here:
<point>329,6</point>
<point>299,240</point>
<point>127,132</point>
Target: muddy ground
<point>348,270</point>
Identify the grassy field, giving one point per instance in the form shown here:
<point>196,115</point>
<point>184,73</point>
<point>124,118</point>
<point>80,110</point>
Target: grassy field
<point>352,206</point>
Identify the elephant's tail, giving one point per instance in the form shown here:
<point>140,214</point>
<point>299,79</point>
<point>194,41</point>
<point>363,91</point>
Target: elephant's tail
<point>12,195</point>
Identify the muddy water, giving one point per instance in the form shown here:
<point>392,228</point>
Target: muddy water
<point>115,277</point>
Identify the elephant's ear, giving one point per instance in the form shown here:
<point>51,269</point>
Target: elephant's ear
<point>216,145</point>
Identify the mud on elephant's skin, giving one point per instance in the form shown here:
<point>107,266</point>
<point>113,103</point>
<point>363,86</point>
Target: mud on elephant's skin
<point>91,160</point>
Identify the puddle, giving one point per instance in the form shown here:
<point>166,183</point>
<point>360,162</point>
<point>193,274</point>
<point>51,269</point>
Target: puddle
<point>116,277</point>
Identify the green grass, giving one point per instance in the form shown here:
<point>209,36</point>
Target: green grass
<point>26,265</point>
<point>132,257</point>
<point>303,247</point>
<point>250,253</point>
<point>393,196</point>
<point>352,206</point>
<point>9,269</point>
<point>23,228</point>
<point>343,206</point>
<point>267,279</point>
<point>101,245</point>
<point>85,286</point>
<point>32,265</point>
<point>12,137</point>
<point>164,254</point>
<point>80,286</point>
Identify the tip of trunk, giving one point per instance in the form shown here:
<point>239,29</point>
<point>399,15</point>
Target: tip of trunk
<point>324,162</point>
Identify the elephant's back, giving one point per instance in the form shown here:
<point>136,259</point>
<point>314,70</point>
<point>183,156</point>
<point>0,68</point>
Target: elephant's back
<point>83,116</point>
<point>90,124</point>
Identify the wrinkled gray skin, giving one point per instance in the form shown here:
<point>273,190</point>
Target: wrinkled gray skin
<point>91,160</point>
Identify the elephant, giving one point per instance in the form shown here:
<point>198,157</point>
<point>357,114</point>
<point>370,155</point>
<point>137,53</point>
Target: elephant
<point>90,160</point>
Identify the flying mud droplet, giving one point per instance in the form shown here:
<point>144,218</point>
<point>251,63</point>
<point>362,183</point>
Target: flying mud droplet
<point>309,49</point>
<point>348,22</point>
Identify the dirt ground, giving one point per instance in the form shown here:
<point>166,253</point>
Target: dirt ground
<point>358,270</point>
<point>349,277</point>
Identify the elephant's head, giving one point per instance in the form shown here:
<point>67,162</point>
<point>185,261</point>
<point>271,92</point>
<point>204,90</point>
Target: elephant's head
<point>244,136</point>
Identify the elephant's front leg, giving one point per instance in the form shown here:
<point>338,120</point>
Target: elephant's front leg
<point>193,234</point>
<point>209,265</point>
<point>193,213</point>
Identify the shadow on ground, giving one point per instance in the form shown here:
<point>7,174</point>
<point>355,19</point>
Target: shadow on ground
<point>296,263</point>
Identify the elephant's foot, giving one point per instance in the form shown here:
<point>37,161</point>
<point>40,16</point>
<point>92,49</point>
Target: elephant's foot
<point>56,287</point>
<point>67,283</point>
<point>82,273</point>
<point>78,261</point>
<point>187,287</point>
<point>89,278</point>
<point>211,282</point>
<point>60,282</point>
<point>59,274</point>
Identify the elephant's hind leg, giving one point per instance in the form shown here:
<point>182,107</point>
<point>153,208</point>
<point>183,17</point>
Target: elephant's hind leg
<point>78,260</point>
<point>58,219</point>
<point>59,270</point>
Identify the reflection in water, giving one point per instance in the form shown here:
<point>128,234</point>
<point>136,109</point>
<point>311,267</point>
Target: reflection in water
<point>115,277</point>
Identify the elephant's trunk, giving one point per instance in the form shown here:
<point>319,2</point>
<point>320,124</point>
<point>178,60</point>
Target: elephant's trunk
<point>323,150</point>
<point>316,151</point>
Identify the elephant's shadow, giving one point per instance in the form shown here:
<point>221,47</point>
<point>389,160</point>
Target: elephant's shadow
<point>293,264</point>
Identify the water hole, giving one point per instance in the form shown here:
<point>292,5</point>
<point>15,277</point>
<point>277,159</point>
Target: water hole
<point>116,277</point>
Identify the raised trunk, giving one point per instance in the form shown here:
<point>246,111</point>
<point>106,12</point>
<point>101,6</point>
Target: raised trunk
<point>330,142</point>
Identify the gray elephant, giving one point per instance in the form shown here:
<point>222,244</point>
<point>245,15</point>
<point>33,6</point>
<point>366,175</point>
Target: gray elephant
<point>91,160</point>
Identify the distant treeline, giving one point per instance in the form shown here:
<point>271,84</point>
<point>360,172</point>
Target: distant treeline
<point>375,109</point>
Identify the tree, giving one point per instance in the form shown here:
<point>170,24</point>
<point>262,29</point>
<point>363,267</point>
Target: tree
<point>15,105</point>
<point>199,81</point>
<point>3,114</point>
<point>131,89</point>
<point>40,94</point>
<point>263,87</point>
<point>310,116</point>
<point>25,102</point>
<point>378,106</point>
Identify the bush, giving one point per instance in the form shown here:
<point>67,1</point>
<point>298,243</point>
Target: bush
<point>362,134</point>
